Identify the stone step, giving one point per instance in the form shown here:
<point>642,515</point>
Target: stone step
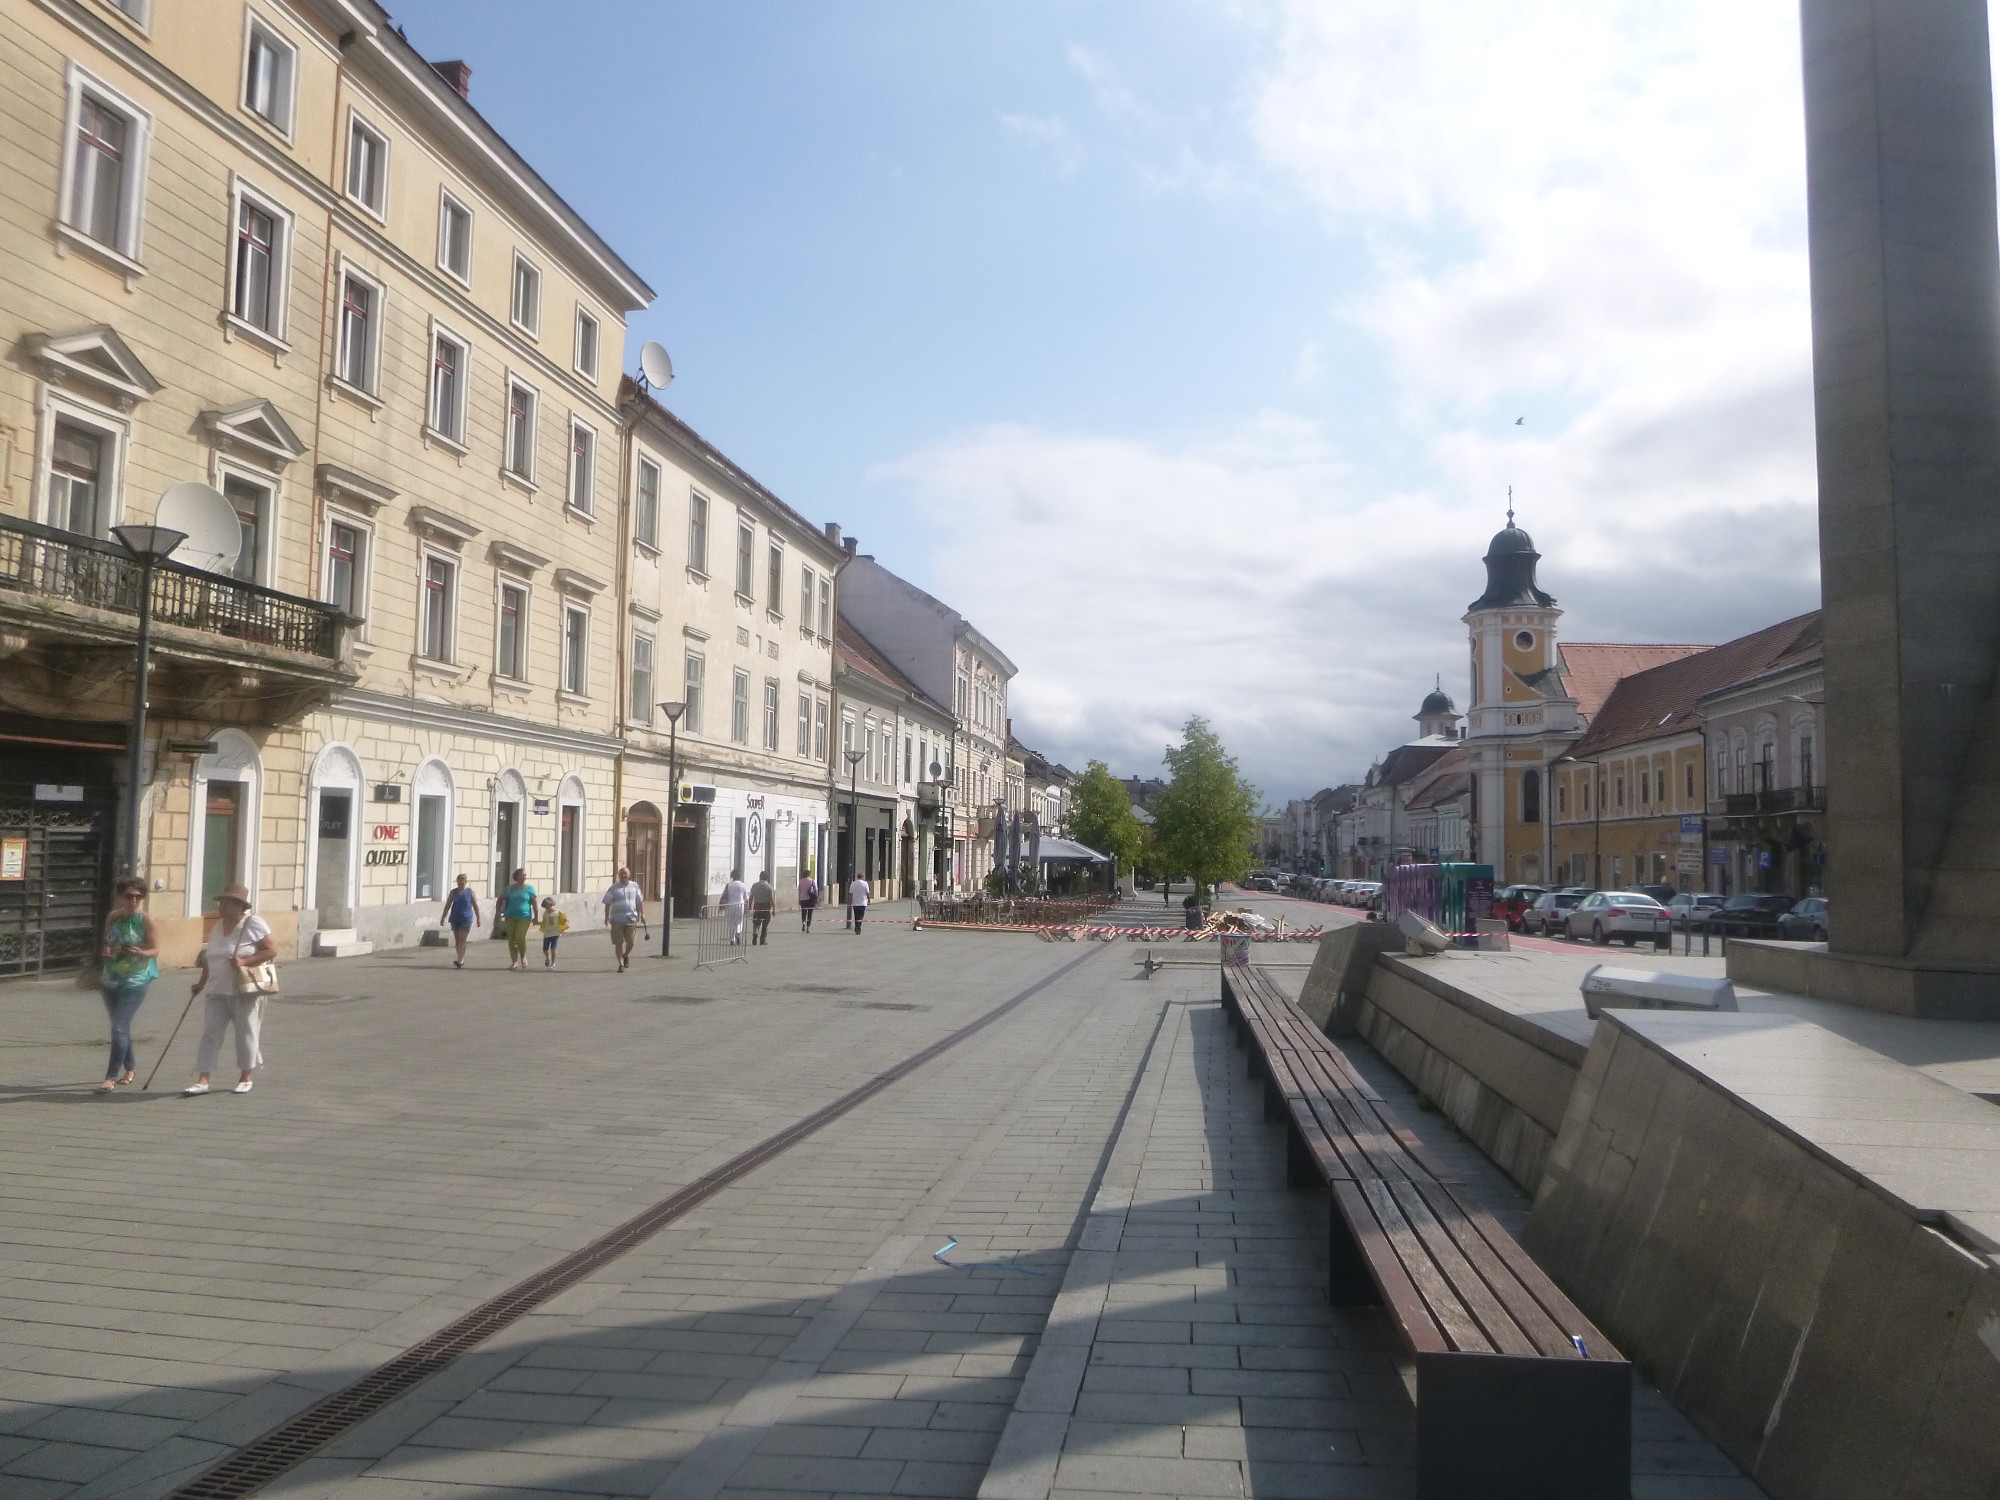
<point>339,942</point>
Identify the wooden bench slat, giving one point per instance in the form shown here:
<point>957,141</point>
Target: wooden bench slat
<point>1451,1314</point>
<point>1470,1228</point>
<point>1471,1288</point>
<point>1407,1305</point>
<point>1564,1313</point>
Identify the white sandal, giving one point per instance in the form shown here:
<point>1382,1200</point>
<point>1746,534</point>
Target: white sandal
<point>242,1088</point>
<point>194,1088</point>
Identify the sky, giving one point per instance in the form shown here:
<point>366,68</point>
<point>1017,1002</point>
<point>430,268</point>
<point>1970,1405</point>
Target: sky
<point>1189,348</point>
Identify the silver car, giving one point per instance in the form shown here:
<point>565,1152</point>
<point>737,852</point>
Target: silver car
<point>1624,915</point>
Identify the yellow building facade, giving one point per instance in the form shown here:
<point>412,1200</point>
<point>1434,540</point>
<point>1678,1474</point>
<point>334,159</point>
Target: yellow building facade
<point>272,250</point>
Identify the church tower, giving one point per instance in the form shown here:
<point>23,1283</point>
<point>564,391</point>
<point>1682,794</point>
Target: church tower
<point>1521,715</point>
<point>1437,716</point>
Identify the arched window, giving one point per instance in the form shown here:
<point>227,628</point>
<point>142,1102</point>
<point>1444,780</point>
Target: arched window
<point>333,870</point>
<point>1531,796</point>
<point>224,791</point>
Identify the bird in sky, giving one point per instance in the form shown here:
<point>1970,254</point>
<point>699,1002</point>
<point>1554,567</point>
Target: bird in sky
<point>1519,420</point>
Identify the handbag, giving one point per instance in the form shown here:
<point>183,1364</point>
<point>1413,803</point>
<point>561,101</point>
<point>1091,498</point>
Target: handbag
<point>257,979</point>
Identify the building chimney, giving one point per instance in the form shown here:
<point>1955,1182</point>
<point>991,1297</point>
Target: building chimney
<point>457,74</point>
<point>833,532</point>
<point>850,544</point>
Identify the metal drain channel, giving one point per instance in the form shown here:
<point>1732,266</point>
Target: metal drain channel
<point>291,1442</point>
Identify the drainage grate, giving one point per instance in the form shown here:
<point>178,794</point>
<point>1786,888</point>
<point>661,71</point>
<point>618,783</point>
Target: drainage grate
<point>293,1441</point>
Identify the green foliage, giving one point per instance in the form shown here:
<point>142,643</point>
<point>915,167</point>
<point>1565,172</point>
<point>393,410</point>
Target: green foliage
<point>1206,819</point>
<point>1101,816</point>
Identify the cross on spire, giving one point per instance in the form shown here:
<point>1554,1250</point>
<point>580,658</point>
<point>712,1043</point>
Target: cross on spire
<point>1510,505</point>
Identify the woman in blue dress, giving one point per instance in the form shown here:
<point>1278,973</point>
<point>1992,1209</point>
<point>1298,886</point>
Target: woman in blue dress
<point>461,915</point>
<point>130,954</point>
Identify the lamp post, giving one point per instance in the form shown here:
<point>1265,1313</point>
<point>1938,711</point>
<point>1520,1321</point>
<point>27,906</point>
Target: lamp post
<point>854,758</point>
<point>673,711</point>
<point>149,546</point>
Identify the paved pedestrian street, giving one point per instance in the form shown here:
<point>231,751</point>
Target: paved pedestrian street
<point>1133,1304</point>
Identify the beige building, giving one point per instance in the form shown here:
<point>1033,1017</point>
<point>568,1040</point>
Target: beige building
<point>888,790</point>
<point>730,599</point>
<point>271,249</point>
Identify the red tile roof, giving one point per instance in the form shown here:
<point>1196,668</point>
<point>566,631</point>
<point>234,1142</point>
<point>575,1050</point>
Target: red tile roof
<point>1591,669</point>
<point>1661,700</point>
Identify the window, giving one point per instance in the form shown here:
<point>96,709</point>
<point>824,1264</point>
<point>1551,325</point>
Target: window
<point>739,707</point>
<point>805,724</point>
<point>576,650</point>
<point>825,608</point>
<point>346,559</point>
<point>640,710</point>
<point>104,170</point>
<point>806,599</point>
<point>449,359</point>
<point>1531,796</point>
<point>454,237</point>
<point>586,344</point>
<point>1562,799</point>
<point>698,533</point>
<point>521,431</point>
<point>775,601</point>
<point>270,66</point>
<point>440,605</point>
<point>646,510</point>
<point>582,466</point>
<point>691,693</point>
<point>746,551</point>
<point>77,496</point>
<point>257,270</point>
<point>1690,780</point>
<point>1806,767</point>
<point>770,713</point>
<point>431,841</point>
<point>819,731</point>
<point>527,305</point>
<point>569,861</point>
<point>252,503</point>
<point>355,361</point>
<point>510,656</point>
<point>367,166</point>
<point>908,757</point>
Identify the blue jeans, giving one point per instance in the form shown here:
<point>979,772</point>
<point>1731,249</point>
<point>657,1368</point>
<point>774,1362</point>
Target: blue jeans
<point>121,1003</point>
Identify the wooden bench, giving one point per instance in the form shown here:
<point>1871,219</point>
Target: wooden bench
<point>1518,1394</point>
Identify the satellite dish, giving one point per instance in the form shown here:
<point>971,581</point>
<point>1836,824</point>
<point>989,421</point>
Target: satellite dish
<point>655,366</point>
<point>214,530</point>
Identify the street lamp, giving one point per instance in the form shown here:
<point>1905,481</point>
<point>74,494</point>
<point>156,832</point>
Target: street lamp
<point>149,546</point>
<point>673,711</point>
<point>853,811</point>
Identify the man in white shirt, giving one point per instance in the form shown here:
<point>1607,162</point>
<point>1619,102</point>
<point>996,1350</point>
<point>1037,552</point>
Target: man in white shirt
<point>857,903</point>
<point>623,913</point>
<point>735,896</point>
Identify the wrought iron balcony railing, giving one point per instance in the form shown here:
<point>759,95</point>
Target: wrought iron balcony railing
<point>1774,800</point>
<point>53,564</point>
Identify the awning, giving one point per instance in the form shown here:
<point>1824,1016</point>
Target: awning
<point>1058,851</point>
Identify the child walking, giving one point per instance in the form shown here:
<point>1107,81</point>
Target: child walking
<point>554,925</point>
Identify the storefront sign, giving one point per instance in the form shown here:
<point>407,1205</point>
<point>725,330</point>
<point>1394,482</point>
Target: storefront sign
<point>46,793</point>
<point>386,856</point>
<point>387,832</point>
<point>13,859</point>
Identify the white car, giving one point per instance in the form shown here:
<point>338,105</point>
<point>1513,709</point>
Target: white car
<point>1624,915</point>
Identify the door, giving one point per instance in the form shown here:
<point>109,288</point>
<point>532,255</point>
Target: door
<point>739,850</point>
<point>55,879</point>
<point>221,841</point>
<point>506,843</point>
<point>690,858</point>
<point>642,847</point>
<point>569,862</point>
<point>770,862</point>
<point>333,856</point>
<point>430,848</point>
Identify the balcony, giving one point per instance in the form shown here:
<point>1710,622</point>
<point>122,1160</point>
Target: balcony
<point>222,648</point>
<point>1788,799</point>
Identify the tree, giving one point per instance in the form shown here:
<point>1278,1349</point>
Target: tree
<point>1206,817</point>
<point>1101,816</point>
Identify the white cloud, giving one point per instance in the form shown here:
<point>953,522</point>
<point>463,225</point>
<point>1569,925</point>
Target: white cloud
<point>1049,132</point>
<point>1590,210</point>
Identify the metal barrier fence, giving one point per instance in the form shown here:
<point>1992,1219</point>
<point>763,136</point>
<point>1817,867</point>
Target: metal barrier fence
<point>721,936</point>
<point>1009,911</point>
<point>1451,896</point>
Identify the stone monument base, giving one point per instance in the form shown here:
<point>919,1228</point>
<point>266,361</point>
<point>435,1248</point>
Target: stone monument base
<point>1900,986</point>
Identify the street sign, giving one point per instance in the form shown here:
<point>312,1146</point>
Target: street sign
<point>1691,830</point>
<point>1763,859</point>
<point>1687,861</point>
<point>1718,855</point>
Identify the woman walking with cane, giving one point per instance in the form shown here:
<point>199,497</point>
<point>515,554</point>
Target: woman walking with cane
<point>131,952</point>
<point>236,960</point>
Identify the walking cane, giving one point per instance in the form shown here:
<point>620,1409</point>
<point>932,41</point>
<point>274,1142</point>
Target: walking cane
<point>148,1084</point>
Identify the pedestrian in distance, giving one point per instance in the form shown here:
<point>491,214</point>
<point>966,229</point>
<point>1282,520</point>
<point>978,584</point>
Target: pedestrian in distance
<point>238,972</point>
<point>554,925</point>
<point>857,903</point>
<point>517,912</point>
<point>624,914</point>
<point>808,899</point>
<point>461,915</point>
<point>763,901</point>
<point>130,956</point>
<point>735,896</point>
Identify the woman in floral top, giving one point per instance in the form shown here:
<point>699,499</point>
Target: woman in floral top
<point>130,951</point>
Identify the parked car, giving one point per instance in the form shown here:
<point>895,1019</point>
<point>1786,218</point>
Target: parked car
<point>1690,906</point>
<point>1260,883</point>
<point>1664,894</point>
<point>1805,921</point>
<point>1368,894</point>
<point>1626,916</point>
<point>1511,903</point>
<point>1750,914</point>
<point>1548,910</point>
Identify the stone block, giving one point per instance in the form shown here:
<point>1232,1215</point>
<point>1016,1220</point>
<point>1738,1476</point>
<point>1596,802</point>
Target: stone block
<point>1342,965</point>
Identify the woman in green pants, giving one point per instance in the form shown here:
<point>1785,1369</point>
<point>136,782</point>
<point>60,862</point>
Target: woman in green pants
<point>517,910</point>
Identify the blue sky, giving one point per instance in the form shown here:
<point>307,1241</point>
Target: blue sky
<point>1180,344</point>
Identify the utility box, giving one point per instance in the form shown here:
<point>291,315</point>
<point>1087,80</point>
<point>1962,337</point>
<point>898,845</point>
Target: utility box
<point>1452,897</point>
